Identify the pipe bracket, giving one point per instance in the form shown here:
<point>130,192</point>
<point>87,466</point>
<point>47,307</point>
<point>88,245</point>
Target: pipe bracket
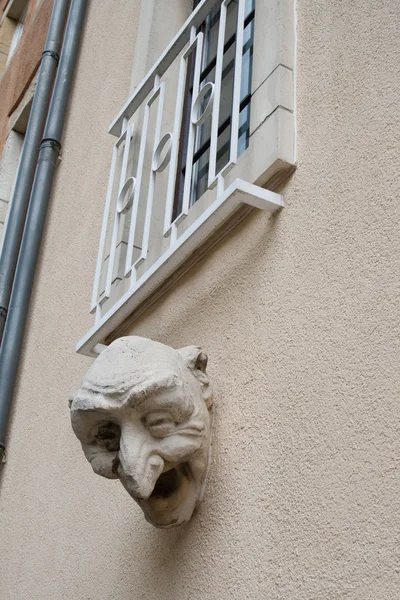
<point>50,143</point>
<point>52,54</point>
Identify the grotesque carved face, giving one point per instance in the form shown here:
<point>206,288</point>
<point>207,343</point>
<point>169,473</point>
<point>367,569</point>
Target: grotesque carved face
<point>142,416</point>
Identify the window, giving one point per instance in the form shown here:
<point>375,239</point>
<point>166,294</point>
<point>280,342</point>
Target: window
<point>11,156</point>
<point>11,30</point>
<point>210,29</point>
<point>210,124</point>
<point>19,29</point>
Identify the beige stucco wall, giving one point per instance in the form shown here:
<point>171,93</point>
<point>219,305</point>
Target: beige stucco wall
<point>300,317</point>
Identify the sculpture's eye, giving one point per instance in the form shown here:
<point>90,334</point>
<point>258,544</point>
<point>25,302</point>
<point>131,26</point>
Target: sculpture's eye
<point>160,424</point>
<point>108,435</point>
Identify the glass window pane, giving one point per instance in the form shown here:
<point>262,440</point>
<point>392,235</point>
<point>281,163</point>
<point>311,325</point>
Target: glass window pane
<point>247,61</point>
<point>250,5</point>
<point>225,108</point>
<point>200,176</point>
<point>202,141</point>
<point>223,148</point>
<point>210,29</point>
<point>244,129</point>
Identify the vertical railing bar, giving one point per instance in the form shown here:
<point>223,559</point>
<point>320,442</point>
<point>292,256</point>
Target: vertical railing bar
<point>220,184</point>
<point>99,263</point>
<point>98,314</point>
<point>124,168</point>
<point>194,40</point>
<point>192,129</point>
<point>117,216</point>
<point>174,234</point>
<point>237,86</point>
<point>217,96</point>
<point>111,257</point>
<point>135,206</point>
<point>173,227</point>
<point>173,165</point>
<point>206,33</point>
<point>153,175</point>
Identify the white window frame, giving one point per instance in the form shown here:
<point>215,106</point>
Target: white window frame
<point>269,157</point>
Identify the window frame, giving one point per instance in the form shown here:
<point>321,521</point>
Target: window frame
<point>268,160</point>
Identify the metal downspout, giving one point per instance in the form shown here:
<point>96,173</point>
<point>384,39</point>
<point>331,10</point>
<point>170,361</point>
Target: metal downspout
<point>29,156</point>
<point>49,153</point>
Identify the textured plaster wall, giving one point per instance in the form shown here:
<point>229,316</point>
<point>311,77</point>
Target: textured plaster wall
<point>300,317</point>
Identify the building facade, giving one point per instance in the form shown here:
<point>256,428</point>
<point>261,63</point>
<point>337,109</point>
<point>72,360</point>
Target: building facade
<point>296,305</point>
<point>23,28</point>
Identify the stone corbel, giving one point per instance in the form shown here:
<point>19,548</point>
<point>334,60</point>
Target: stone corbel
<point>143,416</point>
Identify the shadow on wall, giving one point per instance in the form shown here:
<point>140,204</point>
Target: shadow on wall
<point>252,252</point>
<point>172,563</point>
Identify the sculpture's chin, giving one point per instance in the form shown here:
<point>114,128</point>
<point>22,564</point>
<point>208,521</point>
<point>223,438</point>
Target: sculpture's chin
<point>173,499</point>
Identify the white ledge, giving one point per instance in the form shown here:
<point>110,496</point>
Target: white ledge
<point>238,193</point>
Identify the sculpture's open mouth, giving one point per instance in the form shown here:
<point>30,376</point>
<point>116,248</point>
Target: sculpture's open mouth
<point>170,482</point>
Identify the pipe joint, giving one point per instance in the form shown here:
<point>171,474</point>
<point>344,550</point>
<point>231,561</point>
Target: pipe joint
<point>53,54</point>
<point>50,143</point>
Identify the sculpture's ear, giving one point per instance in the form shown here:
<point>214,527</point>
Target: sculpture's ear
<point>196,360</point>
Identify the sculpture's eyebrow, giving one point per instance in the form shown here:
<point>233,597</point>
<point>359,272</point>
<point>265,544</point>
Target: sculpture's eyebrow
<point>173,400</point>
<point>133,396</point>
<point>151,387</point>
<point>88,400</point>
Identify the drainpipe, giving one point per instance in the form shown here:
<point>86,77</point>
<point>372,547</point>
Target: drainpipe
<point>35,221</point>
<point>29,156</point>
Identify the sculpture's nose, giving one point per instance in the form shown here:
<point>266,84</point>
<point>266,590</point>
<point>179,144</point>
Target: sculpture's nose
<point>140,466</point>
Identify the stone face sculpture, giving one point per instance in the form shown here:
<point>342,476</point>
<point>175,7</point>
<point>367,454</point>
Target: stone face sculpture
<point>143,415</point>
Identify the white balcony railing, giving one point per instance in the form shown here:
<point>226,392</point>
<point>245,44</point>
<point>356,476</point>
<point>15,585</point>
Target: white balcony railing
<point>150,227</point>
